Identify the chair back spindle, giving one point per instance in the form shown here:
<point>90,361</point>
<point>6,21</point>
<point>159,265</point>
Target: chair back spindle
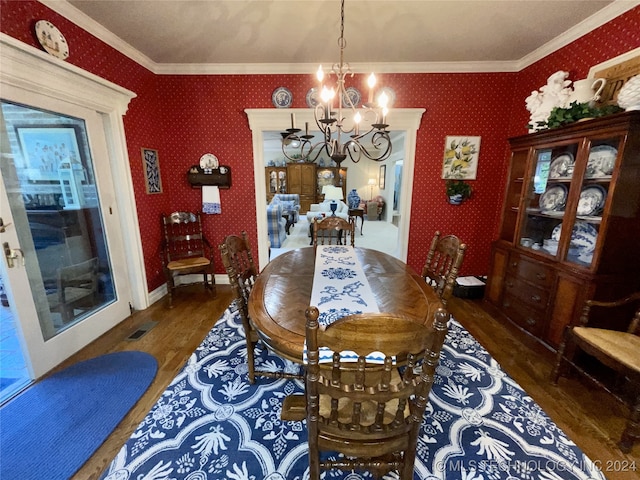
<point>443,263</point>
<point>370,412</point>
<point>333,229</point>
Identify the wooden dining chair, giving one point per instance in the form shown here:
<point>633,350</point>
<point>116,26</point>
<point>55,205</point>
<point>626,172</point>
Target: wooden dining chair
<point>618,350</point>
<point>443,263</point>
<point>242,272</point>
<point>185,250</point>
<point>333,229</point>
<point>369,412</point>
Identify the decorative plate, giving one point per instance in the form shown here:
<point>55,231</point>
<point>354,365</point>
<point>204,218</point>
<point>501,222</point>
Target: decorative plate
<point>591,200</point>
<point>313,98</point>
<point>390,93</point>
<point>51,39</point>
<point>561,166</point>
<point>602,160</point>
<point>351,93</point>
<point>583,237</point>
<point>554,198</point>
<point>208,161</point>
<point>281,97</point>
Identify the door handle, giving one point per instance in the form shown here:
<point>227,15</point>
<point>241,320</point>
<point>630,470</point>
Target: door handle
<point>12,254</point>
<point>3,226</point>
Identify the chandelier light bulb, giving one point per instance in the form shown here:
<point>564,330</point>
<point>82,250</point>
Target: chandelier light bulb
<point>357,118</point>
<point>371,82</point>
<point>325,95</point>
<point>320,74</point>
<point>383,100</point>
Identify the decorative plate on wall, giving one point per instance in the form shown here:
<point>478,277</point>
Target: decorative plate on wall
<point>313,98</point>
<point>353,94</point>
<point>282,97</point>
<point>51,39</point>
<point>209,161</point>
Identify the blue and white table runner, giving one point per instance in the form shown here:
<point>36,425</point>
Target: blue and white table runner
<point>340,288</point>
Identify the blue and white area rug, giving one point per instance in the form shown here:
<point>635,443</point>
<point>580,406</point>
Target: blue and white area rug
<point>211,424</point>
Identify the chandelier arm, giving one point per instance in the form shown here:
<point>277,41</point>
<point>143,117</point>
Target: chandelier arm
<point>331,125</point>
<point>351,151</point>
<point>377,144</point>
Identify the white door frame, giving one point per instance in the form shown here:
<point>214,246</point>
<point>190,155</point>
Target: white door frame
<point>30,69</point>
<point>27,73</point>
<point>270,119</point>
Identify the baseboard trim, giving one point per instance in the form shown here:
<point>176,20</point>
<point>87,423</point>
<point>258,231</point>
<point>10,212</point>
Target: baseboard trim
<point>161,291</point>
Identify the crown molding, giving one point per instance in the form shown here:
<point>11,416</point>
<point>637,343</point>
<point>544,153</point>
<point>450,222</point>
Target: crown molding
<point>307,68</point>
<point>71,13</point>
<point>608,13</point>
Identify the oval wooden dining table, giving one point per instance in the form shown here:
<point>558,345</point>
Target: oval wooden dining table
<point>282,293</point>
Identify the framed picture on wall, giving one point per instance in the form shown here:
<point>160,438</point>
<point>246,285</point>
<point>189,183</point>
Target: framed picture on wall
<point>47,148</point>
<point>460,157</point>
<point>383,176</point>
<point>151,167</point>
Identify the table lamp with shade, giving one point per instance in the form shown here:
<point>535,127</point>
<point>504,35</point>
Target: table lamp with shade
<point>332,193</point>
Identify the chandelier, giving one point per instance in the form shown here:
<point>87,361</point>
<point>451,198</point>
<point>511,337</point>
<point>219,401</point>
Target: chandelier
<point>342,137</point>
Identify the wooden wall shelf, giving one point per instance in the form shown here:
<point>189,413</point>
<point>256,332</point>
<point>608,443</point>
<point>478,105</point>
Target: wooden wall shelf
<point>219,177</point>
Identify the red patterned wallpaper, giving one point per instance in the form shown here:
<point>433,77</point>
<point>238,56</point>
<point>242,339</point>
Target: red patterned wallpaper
<point>185,116</point>
<point>204,120</point>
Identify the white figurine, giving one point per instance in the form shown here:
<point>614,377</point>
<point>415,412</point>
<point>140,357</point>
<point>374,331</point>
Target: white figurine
<point>629,94</point>
<point>555,93</point>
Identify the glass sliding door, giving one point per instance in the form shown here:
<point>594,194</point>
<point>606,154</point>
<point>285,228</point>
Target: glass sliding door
<point>53,198</point>
<point>64,269</point>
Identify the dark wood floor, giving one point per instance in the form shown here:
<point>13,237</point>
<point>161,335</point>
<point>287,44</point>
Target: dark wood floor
<point>589,417</point>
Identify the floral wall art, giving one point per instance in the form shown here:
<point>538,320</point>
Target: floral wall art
<point>461,157</point>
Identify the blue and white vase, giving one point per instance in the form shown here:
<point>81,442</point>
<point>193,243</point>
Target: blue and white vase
<point>353,199</point>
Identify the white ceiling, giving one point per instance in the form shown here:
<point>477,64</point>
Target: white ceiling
<point>271,36</point>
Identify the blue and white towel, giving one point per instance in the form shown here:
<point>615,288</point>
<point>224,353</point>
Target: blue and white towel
<point>211,199</point>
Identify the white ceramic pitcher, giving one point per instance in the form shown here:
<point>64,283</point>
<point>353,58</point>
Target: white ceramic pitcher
<point>583,90</point>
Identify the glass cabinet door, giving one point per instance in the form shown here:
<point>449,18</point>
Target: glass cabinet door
<point>594,193</point>
<point>568,189</point>
<point>546,200</point>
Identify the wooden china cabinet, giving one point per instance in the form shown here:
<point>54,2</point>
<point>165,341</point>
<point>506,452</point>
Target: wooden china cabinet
<point>570,225</point>
<point>276,178</point>
<point>301,178</point>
